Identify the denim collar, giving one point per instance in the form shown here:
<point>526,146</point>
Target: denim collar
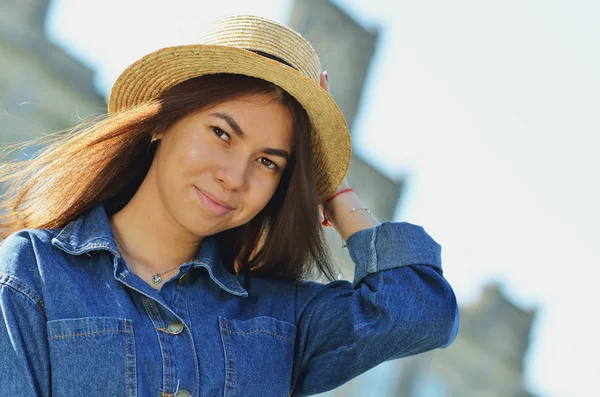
<point>92,232</point>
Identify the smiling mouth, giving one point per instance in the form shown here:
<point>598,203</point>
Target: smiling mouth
<point>211,205</point>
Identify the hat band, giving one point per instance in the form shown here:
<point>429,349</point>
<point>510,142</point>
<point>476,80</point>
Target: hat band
<point>273,57</point>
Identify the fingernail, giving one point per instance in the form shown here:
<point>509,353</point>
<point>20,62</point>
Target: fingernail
<point>326,76</point>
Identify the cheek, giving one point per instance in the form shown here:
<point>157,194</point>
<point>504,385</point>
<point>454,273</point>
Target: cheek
<point>194,155</point>
<point>197,151</point>
<point>261,191</point>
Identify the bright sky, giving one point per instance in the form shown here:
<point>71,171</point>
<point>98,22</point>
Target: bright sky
<point>489,108</point>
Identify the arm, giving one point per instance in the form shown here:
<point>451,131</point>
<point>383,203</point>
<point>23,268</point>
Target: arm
<point>24,361</point>
<point>398,305</point>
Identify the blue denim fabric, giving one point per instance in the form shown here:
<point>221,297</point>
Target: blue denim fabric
<point>74,321</point>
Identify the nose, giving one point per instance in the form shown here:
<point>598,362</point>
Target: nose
<point>232,173</point>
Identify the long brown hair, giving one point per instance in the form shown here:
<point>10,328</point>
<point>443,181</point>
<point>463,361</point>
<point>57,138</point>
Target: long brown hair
<point>105,161</point>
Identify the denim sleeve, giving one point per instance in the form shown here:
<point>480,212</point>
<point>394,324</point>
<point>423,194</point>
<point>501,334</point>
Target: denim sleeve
<point>399,304</point>
<point>24,361</point>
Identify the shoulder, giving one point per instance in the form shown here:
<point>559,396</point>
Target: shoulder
<point>24,244</point>
<point>20,256</point>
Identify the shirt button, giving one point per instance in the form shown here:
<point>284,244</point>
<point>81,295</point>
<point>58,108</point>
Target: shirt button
<point>175,328</point>
<point>183,393</point>
<point>184,279</point>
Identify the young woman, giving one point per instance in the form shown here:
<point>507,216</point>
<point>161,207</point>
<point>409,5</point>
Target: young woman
<point>168,250</point>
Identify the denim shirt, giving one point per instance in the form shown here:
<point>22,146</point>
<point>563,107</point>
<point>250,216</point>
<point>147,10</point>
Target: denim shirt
<point>74,320</point>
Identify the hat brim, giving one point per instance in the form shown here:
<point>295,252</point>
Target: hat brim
<point>153,74</point>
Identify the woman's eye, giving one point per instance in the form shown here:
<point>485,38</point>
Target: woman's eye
<point>268,163</point>
<point>221,134</point>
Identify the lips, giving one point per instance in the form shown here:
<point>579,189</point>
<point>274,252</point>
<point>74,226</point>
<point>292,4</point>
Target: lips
<point>212,204</point>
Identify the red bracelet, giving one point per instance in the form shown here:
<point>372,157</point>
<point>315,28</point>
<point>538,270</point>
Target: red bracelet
<point>325,221</point>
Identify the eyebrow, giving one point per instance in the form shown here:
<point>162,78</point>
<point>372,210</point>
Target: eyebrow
<point>232,123</point>
<point>241,134</point>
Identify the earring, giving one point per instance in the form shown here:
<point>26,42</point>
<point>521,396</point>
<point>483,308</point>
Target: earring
<point>154,138</point>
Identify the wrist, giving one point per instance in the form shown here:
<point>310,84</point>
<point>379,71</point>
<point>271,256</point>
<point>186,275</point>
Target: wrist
<point>348,215</point>
<point>343,188</point>
<point>342,198</point>
<point>344,211</point>
<point>341,204</point>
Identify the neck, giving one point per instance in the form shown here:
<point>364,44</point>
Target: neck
<point>151,235</point>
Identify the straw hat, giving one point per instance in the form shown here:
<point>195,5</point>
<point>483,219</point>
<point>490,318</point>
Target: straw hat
<point>228,48</point>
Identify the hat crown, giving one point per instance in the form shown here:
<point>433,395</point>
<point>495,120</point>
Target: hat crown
<point>254,33</point>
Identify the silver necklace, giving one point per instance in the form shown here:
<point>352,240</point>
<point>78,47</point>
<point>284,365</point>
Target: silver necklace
<point>156,277</point>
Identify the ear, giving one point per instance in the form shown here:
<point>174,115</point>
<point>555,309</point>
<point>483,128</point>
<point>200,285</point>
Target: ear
<point>158,132</point>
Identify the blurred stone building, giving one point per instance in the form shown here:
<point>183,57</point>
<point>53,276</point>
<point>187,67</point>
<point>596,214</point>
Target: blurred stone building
<point>42,88</point>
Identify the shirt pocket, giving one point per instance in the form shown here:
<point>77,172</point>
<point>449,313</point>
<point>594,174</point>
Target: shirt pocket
<point>259,355</point>
<point>92,355</point>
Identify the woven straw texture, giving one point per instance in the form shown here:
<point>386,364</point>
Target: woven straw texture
<point>224,49</point>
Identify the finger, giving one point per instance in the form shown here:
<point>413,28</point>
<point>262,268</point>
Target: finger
<point>325,81</point>
<point>320,212</point>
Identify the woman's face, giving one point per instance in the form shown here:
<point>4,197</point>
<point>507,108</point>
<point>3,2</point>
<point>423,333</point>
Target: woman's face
<point>218,168</point>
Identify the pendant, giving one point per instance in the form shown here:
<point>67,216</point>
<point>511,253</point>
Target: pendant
<point>156,278</point>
